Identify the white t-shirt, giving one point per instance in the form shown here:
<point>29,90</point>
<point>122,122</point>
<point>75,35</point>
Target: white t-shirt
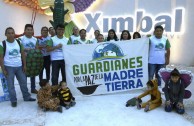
<point>12,56</point>
<point>28,43</point>
<point>94,41</point>
<point>73,38</point>
<point>79,41</point>
<point>57,54</point>
<point>157,50</point>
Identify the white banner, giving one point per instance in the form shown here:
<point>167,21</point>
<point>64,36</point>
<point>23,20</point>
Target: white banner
<point>107,67</point>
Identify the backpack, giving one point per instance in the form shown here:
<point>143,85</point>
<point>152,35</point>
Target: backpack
<point>4,46</point>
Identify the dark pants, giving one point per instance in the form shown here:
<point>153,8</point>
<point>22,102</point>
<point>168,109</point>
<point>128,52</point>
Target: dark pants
<point>46,66</point>
<point>58,65</point>
<point>174,106</point>
<point>33,85</point>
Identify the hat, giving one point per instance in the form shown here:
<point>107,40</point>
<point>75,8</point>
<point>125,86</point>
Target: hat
<point>43,82</point>
<point>175,72</point>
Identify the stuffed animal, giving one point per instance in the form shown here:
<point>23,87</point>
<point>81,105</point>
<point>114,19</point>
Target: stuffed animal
<point>132,102</point>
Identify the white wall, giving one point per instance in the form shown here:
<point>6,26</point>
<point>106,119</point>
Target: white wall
<point>182,49</point>
<point>17,16</point>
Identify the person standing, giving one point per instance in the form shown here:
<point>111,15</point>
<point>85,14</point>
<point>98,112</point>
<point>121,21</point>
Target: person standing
<point>125,35</point>
<point>95,40</point>
<point>136,35</point>
<point>159,53</point>
<point>13,63</point>
<point>112,36</point>
<point>82,39</point>
<point>54,46</point>
<point>41,44</point>
<point>75,36</point>
<point>29,43</point>
<point>52,31</point>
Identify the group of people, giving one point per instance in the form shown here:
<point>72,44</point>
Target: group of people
<point>79,36</point>
<point>51,47</point>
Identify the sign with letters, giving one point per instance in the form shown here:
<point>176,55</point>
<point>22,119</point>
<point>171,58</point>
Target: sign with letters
<point>107,67</point>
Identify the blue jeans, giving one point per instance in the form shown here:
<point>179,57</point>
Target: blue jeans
<point>153,69</point>
<point>56,66</point>
<point>21,77</point>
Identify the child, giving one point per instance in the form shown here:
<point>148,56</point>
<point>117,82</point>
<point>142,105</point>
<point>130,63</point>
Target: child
<point>66,98</point>
<point>45,99</point>
<point>174,93</point>
<point>155,100</point>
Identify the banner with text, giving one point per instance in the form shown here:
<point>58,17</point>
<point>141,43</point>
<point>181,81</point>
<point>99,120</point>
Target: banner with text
<point>107,67</point>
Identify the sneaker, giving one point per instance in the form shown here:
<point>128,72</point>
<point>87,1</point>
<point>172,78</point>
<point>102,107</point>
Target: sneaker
<point>14,104</point>
<point>147,108</point>
<point>60,109</point>
<point>30,99</point>
<point>34,91</point>
<point>67,106</point>
<point>72,104</point>
<point>45,109</point>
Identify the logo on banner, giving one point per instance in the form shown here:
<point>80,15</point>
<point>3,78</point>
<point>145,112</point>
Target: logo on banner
<point>107,51</point>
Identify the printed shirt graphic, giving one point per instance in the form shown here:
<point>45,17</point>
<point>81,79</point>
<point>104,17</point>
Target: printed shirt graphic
<point>157,50</point>
<point>43,42</point>
<point>57,54</point>
<point>28,43</point>
<point>73,39</point>
<point>12,55</point>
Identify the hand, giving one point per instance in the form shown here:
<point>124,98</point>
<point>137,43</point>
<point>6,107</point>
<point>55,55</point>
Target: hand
<point>180,105</point>
<point>24,68</point>
<point>168,103</point>
<point>5,73</point>
<point>59,46</point>
<point>41,47</point>
<point>167,62</point>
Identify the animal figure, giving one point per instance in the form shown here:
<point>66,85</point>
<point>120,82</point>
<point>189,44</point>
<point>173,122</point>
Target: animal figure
<point>132,102</point>
<point>58,13</point>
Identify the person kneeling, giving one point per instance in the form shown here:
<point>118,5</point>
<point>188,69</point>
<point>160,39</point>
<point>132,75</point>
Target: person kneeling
<point>155,101</point>
<point>45,99</point>
<point>174,93</point>
<point>66,98</point>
